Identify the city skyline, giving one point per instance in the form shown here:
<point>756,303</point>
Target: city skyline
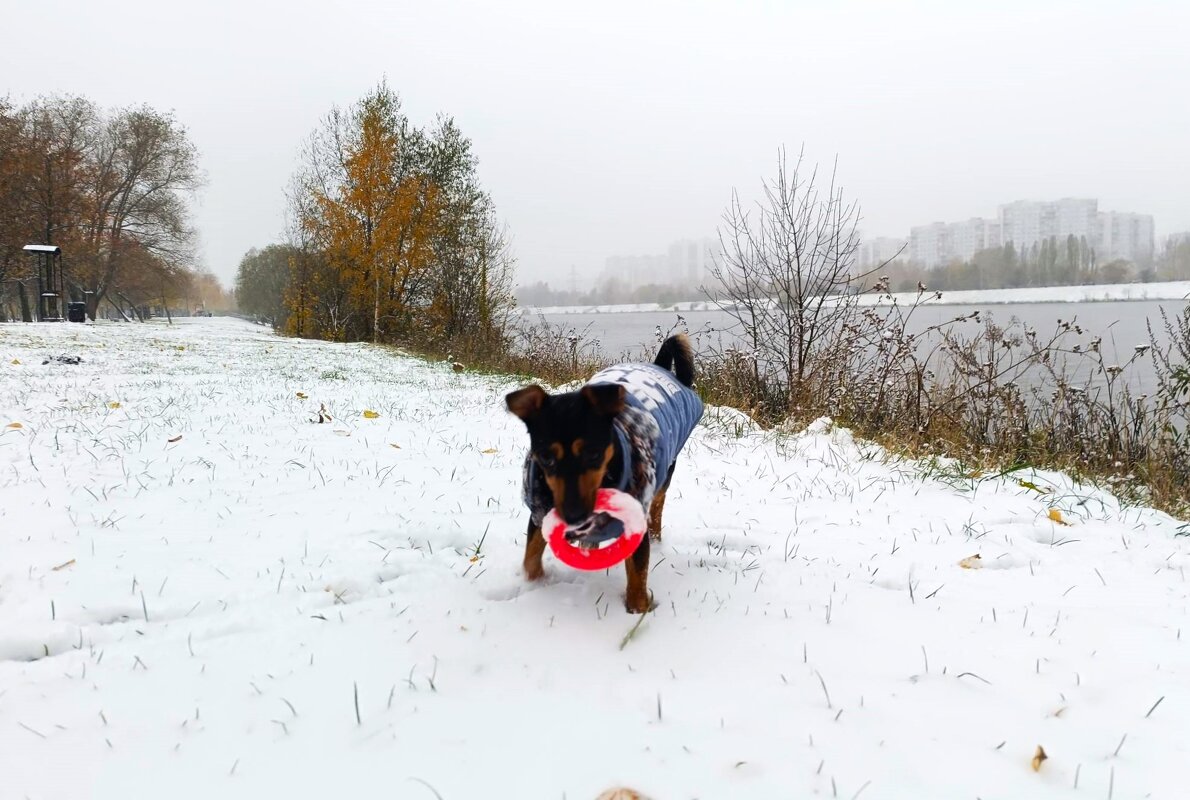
<point>620,131</point>
<point>1123,235</point>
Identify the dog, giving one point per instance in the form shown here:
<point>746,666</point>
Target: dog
<point>623,430</point>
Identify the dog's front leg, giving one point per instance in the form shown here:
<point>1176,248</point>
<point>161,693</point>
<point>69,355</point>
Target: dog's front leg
<point>534,548</point>
<point>636,599</point>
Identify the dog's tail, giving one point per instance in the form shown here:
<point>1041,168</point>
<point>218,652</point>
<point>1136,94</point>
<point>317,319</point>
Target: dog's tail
<point>677,356</point>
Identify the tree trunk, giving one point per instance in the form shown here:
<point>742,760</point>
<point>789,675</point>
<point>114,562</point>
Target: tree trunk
<point>93,300</point>
<point>119,310</point>
<point>376,310</point>
<point>26,312</point>
<point>136,310</point>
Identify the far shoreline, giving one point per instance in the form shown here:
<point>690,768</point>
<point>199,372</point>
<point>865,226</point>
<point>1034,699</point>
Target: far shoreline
<point>1100,293</point>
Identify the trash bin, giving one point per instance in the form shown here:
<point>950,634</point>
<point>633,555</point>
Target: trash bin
<point>76,312</point>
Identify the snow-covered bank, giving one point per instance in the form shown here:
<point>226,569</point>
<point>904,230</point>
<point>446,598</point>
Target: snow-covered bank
<point>204,591</point>
<point>1173,290</point>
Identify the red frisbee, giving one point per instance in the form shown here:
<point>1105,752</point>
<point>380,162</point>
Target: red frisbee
<point>610,537</point>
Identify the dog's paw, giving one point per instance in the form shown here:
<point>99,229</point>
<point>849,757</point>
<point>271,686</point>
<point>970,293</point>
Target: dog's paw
<point>639,604</point>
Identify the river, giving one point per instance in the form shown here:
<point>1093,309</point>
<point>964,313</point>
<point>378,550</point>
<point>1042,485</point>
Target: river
<point>1121,324</point>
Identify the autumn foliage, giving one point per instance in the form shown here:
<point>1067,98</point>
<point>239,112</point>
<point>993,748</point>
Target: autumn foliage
<point>111,188</point>
<point>392,237</point>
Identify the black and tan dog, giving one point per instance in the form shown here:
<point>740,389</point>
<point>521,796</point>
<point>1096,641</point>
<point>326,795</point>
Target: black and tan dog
<point>623,430</point>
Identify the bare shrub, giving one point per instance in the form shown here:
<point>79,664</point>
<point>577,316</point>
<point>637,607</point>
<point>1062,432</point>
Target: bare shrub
<point>805,342</point>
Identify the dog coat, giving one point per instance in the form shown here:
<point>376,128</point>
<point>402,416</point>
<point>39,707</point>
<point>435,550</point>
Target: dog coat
<point>659,414</point>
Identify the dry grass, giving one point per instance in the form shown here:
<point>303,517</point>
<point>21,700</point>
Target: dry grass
<point>995,398</point>
<point>530,349</point>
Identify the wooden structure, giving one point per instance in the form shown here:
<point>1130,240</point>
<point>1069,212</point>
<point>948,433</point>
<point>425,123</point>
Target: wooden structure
<point>48,265</point>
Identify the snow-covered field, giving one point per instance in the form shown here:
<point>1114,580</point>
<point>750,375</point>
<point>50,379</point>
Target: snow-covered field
<point>205,593</point>
<point>1172,290</point>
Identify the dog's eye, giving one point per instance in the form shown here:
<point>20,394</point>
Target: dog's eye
<point>547,461</point>
<point>593,458</point>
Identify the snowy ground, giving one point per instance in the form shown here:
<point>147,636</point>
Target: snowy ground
<point>205,593</point>
<point>1172,290</point>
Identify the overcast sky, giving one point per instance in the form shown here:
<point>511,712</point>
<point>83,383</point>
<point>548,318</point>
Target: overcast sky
<point>616,127</point>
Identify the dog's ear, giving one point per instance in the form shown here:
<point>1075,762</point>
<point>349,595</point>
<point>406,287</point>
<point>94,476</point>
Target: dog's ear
<point>527,403</point>
<point>605,398</point>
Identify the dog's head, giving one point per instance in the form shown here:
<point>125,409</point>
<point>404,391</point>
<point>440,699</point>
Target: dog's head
<point>571,439</point>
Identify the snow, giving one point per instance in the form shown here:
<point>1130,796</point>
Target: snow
<point>189,616</point>
<point>1171,290</point>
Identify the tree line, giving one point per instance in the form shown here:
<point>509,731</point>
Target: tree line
<point>1051,262</point>
<point>390,237</point>
<point>608,291</point>
<point>111,187</point>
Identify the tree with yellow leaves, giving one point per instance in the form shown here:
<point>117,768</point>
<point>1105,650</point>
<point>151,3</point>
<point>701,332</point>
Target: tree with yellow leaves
<point>408,246</point>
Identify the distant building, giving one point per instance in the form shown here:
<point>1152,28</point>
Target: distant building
<point>881,250</point>
<point>1024,223</point>
<point>691,260</point>
<point>943,242</point>
<point>633,271</point>
<point>929,245</point>
<point>685,263</point>
<point>1124,235</point>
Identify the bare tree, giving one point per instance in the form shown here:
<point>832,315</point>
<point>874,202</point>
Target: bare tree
<point>111,189</point>
<point>144,170</point>
<point>788,276</point>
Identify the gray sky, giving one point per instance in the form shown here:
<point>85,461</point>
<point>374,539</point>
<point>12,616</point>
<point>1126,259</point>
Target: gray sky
<point>616,127</point>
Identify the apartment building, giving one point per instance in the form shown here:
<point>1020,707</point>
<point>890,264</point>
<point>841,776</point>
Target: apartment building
<point>1112,234</point>
<point>881,250</point>
<point>943,242</point>
<point>1125,235</point>
<point>686,262</point>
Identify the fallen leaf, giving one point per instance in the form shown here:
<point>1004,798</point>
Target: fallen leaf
<point>489,451</point>
<point>177,438</point>
<point>1038,758</point>
<point>457,367</point>
<point>64,566</point>
<point>114,404</point>
<point>1056,516</point>
<point>16,361</point>
<point>370,414</point>
<point>972,562</point>
<point>301,395</point>
<point>14,425</point>
<point>397,446</point>
<point>1030,485</point>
